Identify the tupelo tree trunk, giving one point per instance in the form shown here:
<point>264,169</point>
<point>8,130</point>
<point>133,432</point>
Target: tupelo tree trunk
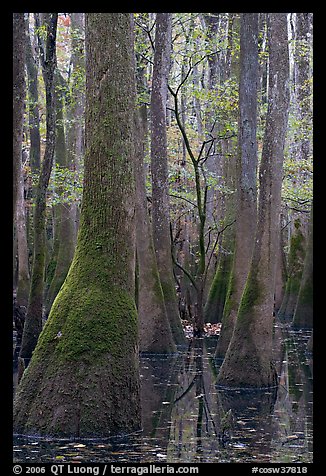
<point>248,360</point>
<point>83,379</point>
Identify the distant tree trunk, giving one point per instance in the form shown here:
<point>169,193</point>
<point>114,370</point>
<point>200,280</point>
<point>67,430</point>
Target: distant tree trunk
<point>76,106</point>
<point>33,103</point>
<point>302,85</point>
<point>33,323</point>
<point>246,200</point>
<point>83,379</point>
<point>18,98</point>
<point>295,268</point>
<point>154,327</point>
<point>23,258</point>
<point>248,360</point>
<point>303,314</point>
<point>227,168</point>
<point>281,271</point>
<point>159,169</point>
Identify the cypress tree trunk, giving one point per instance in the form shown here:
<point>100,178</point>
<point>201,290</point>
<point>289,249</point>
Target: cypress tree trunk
<point>246,214</point>
<point>18,98</point>
<point>23,277</point>
<point>303,314</point>
<point>159,168</point>
<point>64,226</point>
<point>154,327</point>
<point>33,110</point>
<point>83,379</point>
<point>76,107</point>
<point>248,360</point>
<point>33,323</point>
<point>295,269</point>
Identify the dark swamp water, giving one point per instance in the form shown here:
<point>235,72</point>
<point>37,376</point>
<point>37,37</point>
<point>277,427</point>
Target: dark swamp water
<point>187,419</point>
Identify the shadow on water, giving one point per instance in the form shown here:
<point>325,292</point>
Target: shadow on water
<point>186,418</point>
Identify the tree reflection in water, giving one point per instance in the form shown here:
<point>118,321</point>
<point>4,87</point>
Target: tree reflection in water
<point>187,418</point>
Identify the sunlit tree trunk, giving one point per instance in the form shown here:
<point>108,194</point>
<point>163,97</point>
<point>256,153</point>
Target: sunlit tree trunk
<point>83,379</point>
<point>248,360</point>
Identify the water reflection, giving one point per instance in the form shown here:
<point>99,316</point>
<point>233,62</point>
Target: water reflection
<point>186,418</point>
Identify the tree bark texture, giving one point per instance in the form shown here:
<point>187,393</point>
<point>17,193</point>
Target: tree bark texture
<point>18,98</point>
<point>154,328</point>
<point>23,278</point>
<point>33,323</point>
<point>159,169</point>
<point>64,222</point>
<point>248,360</point>
<point>83,379</point>
<point>76,107</point>
<point>246,198</point>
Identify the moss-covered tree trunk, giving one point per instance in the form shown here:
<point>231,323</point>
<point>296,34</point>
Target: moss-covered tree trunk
<point>248,360</point>
<point>303,314</point>
<point>154,327</point>
<point>295,269</point>
<point>18,98</point>
<point>33,322</point>
<point>159,169</point>
<point>246,198</point>
<point>83,379</point>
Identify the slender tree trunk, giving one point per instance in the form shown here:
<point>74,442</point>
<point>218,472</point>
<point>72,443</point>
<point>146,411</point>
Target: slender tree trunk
<point>76,106</point>
<point>33,323</point>
<point>33,103</point>
<point>154,327</point>
<point>83,379</point>
<point>303,314</point>
<point>22,248</point>
<point>18,98</point>
<point>64,222</point>
<point>248,360</point>
<point>227,168</point>
<point>246,215</point>
<point>159,168</point>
